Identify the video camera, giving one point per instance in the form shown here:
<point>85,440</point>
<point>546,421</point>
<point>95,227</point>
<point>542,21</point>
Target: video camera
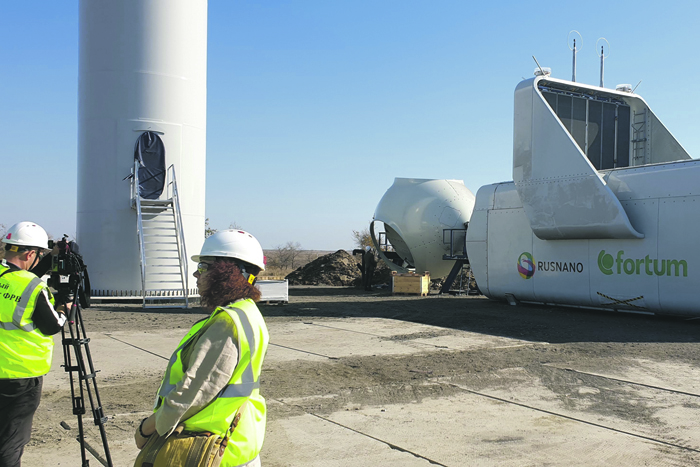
<point>69,273</point>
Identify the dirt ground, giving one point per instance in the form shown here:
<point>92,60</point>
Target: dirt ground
<point>368,378</point>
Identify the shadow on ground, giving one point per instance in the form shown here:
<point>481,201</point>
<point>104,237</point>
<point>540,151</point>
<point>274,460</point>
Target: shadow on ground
<point>481,315</point>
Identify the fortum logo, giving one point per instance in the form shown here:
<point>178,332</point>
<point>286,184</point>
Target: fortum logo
<point>609,265</point>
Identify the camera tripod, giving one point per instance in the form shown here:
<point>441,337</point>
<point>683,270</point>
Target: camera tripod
<point>79,342</point>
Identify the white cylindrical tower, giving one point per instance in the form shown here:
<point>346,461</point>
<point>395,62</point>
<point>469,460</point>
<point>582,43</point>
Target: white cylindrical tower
<point>143,67</point>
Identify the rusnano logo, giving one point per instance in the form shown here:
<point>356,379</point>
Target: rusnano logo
<point>526,265</point>
<point>610,265</point>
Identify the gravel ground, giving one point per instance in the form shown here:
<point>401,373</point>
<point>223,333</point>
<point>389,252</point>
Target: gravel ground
<point>620,373</point>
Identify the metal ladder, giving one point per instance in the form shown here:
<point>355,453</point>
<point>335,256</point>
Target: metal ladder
<point>163,258</point>
<point>639,137</point>
<point>458,254</point>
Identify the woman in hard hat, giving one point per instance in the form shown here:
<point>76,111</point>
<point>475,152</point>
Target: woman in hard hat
<point>28,320</point>
<point>213,377</point>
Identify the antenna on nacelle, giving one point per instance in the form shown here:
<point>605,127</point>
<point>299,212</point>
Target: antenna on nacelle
<point>575,51</point>
<point>542,71</point>
<point>602,57</point>
<point>538,64</point>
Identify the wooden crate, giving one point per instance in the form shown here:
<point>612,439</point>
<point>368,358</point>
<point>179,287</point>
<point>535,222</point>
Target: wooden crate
<point>411,283</point>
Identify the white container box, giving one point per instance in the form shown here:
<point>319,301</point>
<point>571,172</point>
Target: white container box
<point>274,291</point>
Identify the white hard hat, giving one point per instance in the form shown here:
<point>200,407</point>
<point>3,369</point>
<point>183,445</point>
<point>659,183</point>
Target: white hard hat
<point>237,244</point>
<point>27,234</point>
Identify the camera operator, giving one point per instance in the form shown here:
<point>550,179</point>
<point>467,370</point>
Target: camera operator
<point>28,319</point>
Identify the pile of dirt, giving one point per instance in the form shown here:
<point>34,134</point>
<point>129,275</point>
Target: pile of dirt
<point>337,269</point>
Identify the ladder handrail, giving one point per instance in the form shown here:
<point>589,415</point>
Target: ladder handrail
<point>172,202</point>
<point>136,199</point>
<point>172,185</point>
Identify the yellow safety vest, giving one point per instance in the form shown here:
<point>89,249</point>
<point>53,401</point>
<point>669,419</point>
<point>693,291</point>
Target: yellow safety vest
<point>25,352</point>
<point>250,332</point>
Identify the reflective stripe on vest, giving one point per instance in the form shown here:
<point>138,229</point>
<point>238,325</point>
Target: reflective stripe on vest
<point>248,384</point>
<point>21,307</point>
<point>24,349</point>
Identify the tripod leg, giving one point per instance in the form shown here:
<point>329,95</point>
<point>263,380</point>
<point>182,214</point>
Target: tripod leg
<point>78,341</point>
<point>77,401</point>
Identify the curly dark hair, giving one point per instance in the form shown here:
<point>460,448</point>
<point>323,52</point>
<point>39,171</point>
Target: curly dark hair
<point>224,283</point>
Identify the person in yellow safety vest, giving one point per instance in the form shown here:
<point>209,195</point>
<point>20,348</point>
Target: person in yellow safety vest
<point>27,322</point>
<point>214,374</point>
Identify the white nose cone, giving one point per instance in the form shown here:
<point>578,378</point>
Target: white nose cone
<point>418,215</point>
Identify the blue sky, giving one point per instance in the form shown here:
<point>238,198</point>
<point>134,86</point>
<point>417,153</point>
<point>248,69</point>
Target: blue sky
<point>315,106</point>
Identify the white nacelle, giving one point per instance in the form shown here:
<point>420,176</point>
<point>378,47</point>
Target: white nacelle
<point>418,215</point>
<point>658,273</point>
<point>589,220</point>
